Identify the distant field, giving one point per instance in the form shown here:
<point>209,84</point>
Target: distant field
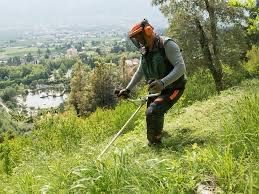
<point>18,51</point>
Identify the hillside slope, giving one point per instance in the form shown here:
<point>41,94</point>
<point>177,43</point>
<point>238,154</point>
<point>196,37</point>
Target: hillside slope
<point>214,141</point>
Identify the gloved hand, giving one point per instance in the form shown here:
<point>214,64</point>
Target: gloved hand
<point>156,86</point>
<point>124,93</point>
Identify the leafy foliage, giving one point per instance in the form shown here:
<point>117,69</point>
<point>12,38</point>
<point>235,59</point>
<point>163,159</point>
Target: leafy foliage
<point>210,32</point>
<point>104,80</point>
<point>81,94</point>
<point>94,88</point>
<point>252,21</point>
<point>253,60</point>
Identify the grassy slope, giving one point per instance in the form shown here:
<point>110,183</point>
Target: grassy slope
<point>197,147</point>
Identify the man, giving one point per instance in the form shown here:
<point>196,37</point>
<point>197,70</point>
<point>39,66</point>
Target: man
<point>163,67</point>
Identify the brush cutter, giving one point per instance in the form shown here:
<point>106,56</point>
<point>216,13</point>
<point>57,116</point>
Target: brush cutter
<point>142,101</point>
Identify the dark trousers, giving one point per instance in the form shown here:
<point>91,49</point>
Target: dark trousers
<point>156,108</point>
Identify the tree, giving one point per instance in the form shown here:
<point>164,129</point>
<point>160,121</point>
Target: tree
<point>104,80</point>
<point>4,73</point>
<point>84,57</point>
<point>48,51</point>
<point>25,71</point>
<point>80,96</point>
<point>17,60</point>
<point>8,94</point>
<point>252,8</point>
<point>79,46</point>
<point>87,59</point>
<point>95,43</point>
<point>39,52</point>
<point>118,47</point>
<point>29,58</point>
<point>92,89</point>
<point>47,54</point>
<point>98,51</point>
<point>197,25</point>
<point>63,69</point>
<point>14,61</point>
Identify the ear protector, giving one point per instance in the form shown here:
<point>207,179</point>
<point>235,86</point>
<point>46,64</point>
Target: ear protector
<point>147,28</point>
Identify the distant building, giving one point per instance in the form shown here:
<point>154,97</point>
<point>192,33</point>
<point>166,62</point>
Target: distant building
<point>3,61</point>
<point>72,52</point>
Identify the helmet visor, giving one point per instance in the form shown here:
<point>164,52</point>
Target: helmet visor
<point>136,42</point>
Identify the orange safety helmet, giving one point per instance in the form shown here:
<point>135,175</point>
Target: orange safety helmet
<point>143,26</point>
<point>140,28</point>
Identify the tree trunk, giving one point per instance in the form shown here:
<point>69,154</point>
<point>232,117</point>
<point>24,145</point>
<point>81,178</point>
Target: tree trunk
<point>204,42</point>
<point>214,41</point>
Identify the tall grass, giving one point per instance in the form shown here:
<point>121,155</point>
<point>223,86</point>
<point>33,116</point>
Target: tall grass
<point>242,129</point>
<point>200,86</point>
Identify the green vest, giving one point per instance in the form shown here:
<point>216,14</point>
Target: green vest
<point>155,64</point>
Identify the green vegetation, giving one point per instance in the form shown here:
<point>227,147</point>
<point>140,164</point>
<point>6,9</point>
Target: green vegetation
<point>216,138</point>
<point>212,131</point>
<point>221,38</point>
<point>93,88</point>
<point>30,74</point>
<point>253,64</point>
<point>23,74</point>
<point>18,51</point>
<point>10,126</point>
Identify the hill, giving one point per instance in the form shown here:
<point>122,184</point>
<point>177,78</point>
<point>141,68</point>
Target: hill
<point>214,142</point>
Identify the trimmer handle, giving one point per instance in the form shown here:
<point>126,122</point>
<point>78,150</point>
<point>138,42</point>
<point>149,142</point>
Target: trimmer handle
<point>124,94</point>
<point>150,81</point>
<point>116,91</point>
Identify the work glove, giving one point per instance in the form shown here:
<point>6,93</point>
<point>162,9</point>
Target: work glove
<point>156,86</point>
<point>124,93</point>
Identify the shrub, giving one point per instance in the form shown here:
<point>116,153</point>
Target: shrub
<point>8,93</point>
<point>253,60</point>
<point>234,75</point>
<point>200,86</point>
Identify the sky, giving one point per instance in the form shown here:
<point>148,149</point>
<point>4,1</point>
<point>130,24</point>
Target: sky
<point>14,13</point>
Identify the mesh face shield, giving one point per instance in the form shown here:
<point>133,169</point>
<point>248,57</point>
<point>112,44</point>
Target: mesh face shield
<point>136,42</point>
<point>139,41</point>
<point>136,34</point>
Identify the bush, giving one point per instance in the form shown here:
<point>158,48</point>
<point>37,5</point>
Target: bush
<point>234,75</point>
<point>253,61</point>
<point>8,94</point>
<point>200,86</point>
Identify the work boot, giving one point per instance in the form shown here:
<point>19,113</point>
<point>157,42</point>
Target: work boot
<point>155,141</point>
